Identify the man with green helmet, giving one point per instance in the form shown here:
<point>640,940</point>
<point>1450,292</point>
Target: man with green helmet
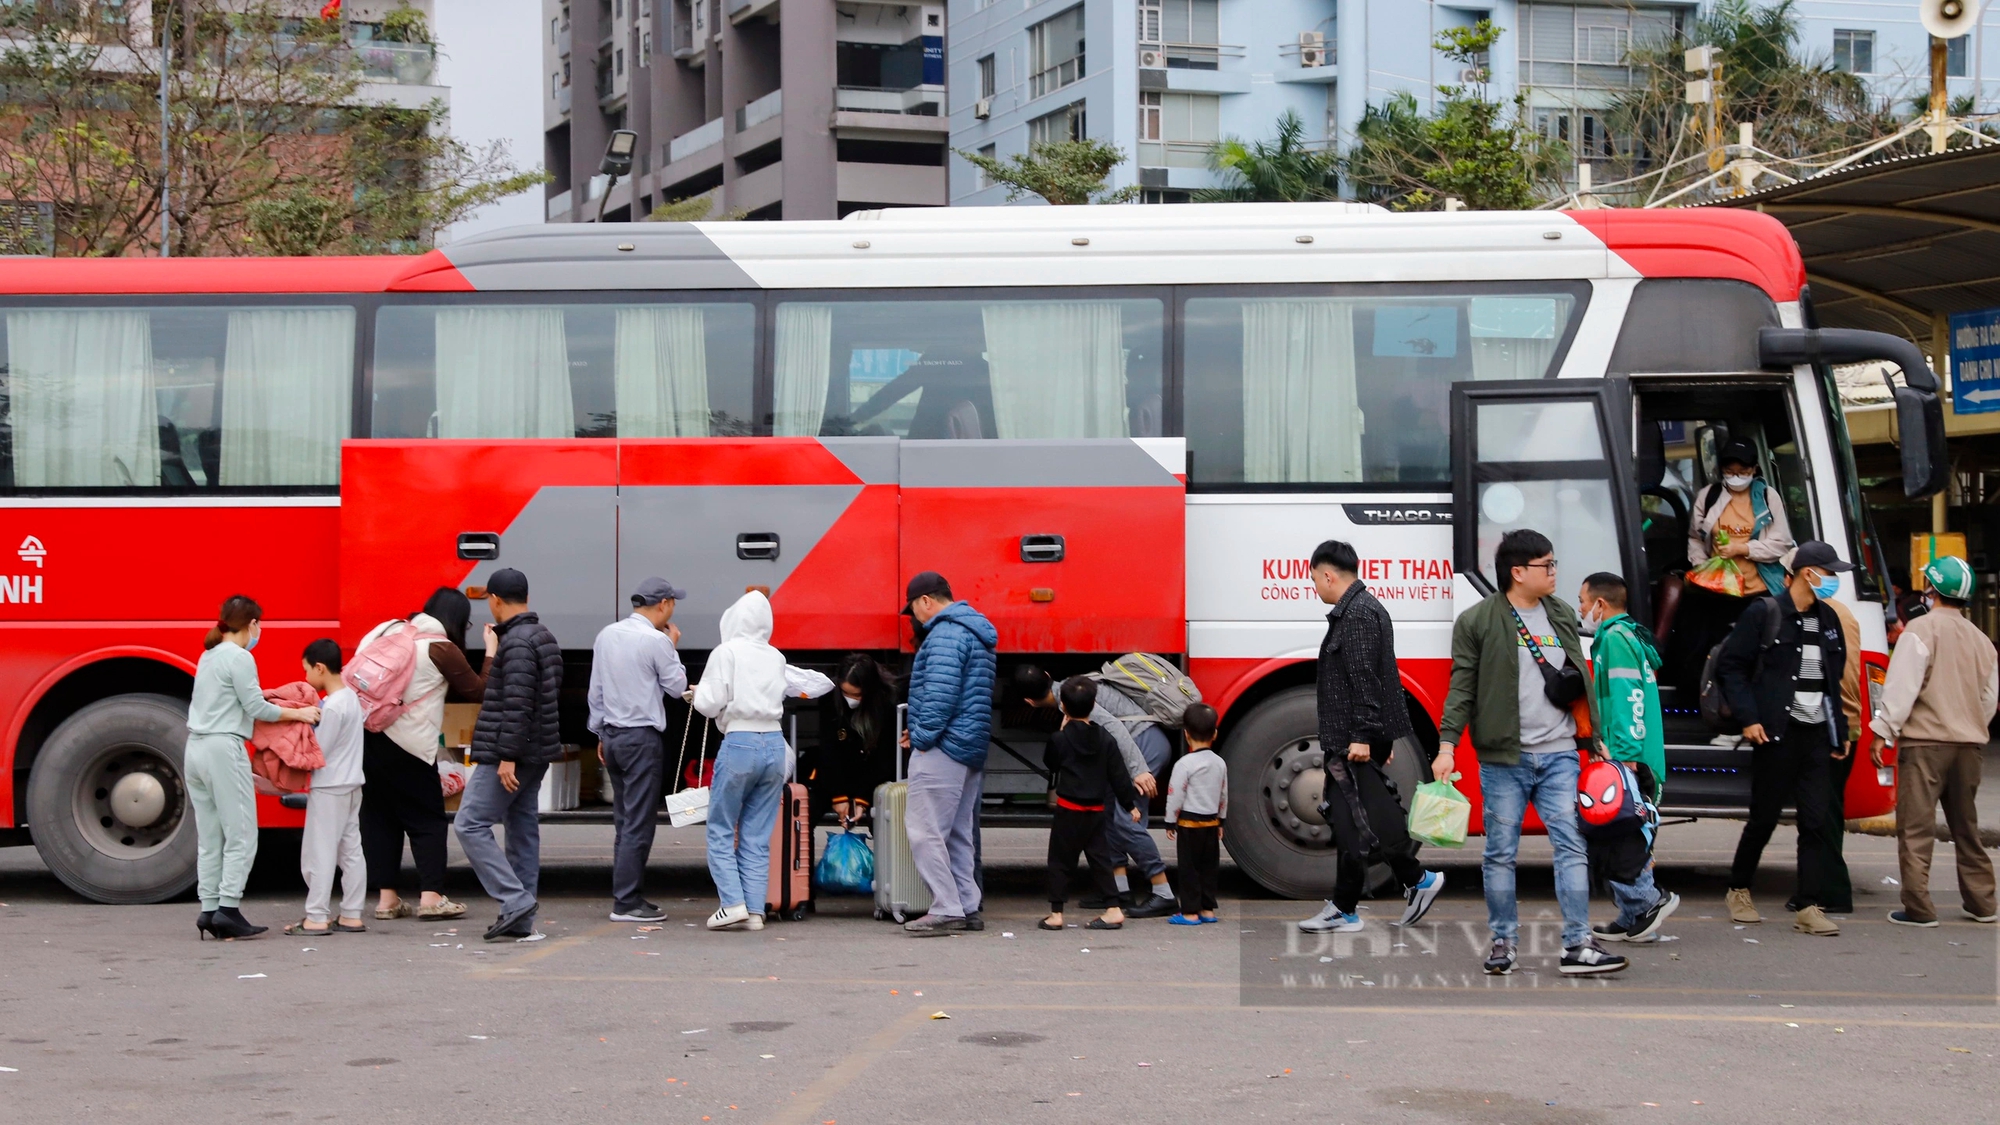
<point>1944,681</point>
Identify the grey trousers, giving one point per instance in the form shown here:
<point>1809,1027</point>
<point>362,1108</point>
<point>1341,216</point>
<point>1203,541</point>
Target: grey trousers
<point>1133,844</point>
<point>224,803</point>
<point>333,839</point>
<point>636,760</point>
<point>943,825</point>
<point>511,877</point>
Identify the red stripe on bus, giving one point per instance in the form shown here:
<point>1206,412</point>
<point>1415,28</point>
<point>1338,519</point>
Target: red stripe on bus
<point>1702,242</point>
<point>223,276</point>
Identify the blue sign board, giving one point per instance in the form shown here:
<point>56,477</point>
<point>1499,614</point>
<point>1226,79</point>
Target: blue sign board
<point>1975,362</point>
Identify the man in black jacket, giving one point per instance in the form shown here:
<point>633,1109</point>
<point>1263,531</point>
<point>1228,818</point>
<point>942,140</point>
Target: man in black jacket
<point>514,741</point>
<point>1787,694</point>
<point>1361,715</point>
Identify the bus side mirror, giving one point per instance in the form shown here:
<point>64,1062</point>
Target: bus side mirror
<point>1919,413</point>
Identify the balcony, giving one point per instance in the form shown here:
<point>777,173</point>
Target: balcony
<point>559,205</point>
<point>736,11</point>
<point>694,140</point>
<point>405,64</point>
<point>1292,63</point>
<point>1174,154</point>
<point>920,101</point>
<point>562,101</point>
<point>762,110</point>
<point>680,36</point>
<point>562,40</point>
<point>1205,68</point>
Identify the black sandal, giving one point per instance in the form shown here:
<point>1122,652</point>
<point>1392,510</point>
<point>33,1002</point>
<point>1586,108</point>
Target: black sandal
<point>1044,925</point>
<point>1101,924</point>
<point>300,927</point>
<point>338,927</point>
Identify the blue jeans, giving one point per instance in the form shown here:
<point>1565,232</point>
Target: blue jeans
<point>1136,840</point>
<point>742,813</point>
<point>1636,897</point>
<point>1548,780</point>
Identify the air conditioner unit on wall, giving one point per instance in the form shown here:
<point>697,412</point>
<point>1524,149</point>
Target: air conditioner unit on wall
<point>1152,58</point>
<point>1472,74</point>
<point>1312,48</point>
<point>983,108</point>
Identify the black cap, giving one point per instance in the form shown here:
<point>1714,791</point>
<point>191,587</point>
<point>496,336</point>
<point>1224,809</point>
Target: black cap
<point>929,582</point>
<point>653,591</point>
<point>1819,556</point>
<point>507,584</point>
<point>1740,452</point>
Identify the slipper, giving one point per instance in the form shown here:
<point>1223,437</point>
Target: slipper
<point>445,908</point>
<point>1183,920</point>
<point>1210,921</point>
<point>339,927</point>
<point>1101,924</point>
<point>300,927</point>
<point>1044,925</point>
<point>400,910</point>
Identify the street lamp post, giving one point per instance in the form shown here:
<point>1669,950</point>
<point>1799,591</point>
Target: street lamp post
<point>617,162</point>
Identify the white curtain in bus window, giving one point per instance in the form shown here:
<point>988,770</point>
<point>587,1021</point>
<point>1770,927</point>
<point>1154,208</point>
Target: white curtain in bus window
<point>1057,368</point>
<point>1515,337</point>
<point>1535,442</point>
<point>503,372</point>
<point>287,395</point>
<point>661,365</point>
<point>81,399</point>
<point>804,369</point>
<point>1301,420</point>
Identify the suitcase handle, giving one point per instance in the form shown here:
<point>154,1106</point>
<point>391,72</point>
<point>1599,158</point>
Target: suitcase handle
<point>902,725</point>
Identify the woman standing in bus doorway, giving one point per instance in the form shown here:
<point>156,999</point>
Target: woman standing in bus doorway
<point>1741,518</point>
<point>227,700</point>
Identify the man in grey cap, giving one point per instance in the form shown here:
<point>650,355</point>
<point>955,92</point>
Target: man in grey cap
<point>634,666</point>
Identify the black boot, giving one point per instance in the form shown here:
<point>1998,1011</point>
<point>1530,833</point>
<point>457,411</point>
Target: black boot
<point>229,923</point>
<point>203,923</point>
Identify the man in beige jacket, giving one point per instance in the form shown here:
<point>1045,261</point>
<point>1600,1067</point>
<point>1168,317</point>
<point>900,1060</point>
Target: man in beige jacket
<point>1943,683</point>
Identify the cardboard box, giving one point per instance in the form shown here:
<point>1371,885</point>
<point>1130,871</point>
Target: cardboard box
<point>459,719</point>
<point>1924,548</point>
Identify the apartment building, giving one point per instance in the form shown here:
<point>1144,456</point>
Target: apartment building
<point>1165,79</point>
<point>778,109</point>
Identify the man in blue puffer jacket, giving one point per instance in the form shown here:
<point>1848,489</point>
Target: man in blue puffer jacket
<point>950,722</point>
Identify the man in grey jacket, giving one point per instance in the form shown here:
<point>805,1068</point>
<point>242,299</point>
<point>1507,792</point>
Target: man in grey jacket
<point>1145,748</point>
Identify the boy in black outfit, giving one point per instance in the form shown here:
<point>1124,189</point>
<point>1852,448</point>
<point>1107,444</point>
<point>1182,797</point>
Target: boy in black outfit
<point>1087,773</point>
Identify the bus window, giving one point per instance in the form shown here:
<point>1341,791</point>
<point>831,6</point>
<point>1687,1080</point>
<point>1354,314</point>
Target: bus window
<point>180,398</point>
<point>1292,390</point>
<point>573,370</point>
<point>969,368</point>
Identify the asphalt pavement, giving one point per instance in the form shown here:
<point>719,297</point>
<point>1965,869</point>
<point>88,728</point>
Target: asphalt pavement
<point>118,1013</point>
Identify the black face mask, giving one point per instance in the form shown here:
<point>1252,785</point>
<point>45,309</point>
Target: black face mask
<point>1560,686</point>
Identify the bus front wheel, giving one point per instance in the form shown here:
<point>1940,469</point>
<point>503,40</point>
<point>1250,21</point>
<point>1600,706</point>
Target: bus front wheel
<point>107,804</point>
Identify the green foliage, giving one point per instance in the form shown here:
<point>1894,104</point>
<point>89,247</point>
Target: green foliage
<point>406,25</point>
<point>1062,172</point>
<point>1281,170</point>
<point>693,209</point>
<point>298,223</point>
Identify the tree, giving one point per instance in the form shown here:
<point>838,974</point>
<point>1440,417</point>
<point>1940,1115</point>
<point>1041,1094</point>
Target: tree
<point>271,143</point>
<point>1279,171</point>
<point>1062,172</point>
<point>693,209</point>
<point>1471,147</point>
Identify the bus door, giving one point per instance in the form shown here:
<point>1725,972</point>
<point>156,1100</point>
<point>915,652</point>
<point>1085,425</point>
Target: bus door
<point>1073,546</point>
<point>809,521</point>
<point>419,514</point>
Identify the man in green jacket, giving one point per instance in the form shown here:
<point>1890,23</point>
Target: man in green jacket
<point>1516,673</point>
<point>1625,695</point>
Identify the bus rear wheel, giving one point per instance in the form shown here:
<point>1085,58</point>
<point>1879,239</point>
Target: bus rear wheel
<point>1276,782</point>
<point>107,803</point>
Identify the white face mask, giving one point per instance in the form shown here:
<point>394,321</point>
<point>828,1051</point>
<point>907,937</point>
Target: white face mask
<point>852,703</point>
<point>1736,483</point>
<point>1587,625</point>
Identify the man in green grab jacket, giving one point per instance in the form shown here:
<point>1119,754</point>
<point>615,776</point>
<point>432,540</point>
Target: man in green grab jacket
<point>1626,691</point>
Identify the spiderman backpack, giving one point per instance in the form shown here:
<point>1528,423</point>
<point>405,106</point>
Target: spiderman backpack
<point>1607,800</point>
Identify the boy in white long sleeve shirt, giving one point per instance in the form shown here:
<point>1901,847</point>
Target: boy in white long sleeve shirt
<point>1197,804</point>
<point>333,806</point>
<point>743,690</point>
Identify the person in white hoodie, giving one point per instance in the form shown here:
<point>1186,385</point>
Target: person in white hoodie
<point>743,690</point>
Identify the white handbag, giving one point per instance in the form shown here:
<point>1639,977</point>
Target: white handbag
<point>689,806</point>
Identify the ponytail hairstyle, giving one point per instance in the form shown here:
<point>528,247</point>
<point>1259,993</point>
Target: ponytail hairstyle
<point>236,615</point>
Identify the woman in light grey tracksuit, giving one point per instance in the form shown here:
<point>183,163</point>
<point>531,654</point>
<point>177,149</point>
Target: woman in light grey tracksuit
<point>227,700</point>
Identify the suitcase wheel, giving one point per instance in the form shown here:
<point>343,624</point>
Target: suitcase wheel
<point>798,914</point>
<point>880,914</point>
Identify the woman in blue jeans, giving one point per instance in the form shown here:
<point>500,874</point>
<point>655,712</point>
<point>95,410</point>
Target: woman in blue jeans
<point>743,690</point>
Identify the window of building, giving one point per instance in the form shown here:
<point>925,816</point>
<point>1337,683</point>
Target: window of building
<point>1577,47</point>
<point>618,61</point>
<point>1191,30</point>
<point>993,368</point>
<point>1176,130</point>
<point>1149,21</point>
<point>1854,51</point>
<point>555,84</point>
<point>645,49</point>
<point>1055,52</point>
<point>1292,388</point>
<point>569,370</point>
<point>1065,124</point>
<point>1165,195</point>
<point>565,72</point>
<point>990,152</point>
<point>618,9</point>
<point>879,66</point>
<point>555,25</point>
<point>987,81</point>
<point>1956,56</point>
<point>124,397</point>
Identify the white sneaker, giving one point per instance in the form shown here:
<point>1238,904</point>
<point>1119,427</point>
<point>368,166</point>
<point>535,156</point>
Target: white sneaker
<point>729,917</point>
<point>1420,897</point>
<point>1337,924</point>
<point>756,922</point>
<point>1325,912</point>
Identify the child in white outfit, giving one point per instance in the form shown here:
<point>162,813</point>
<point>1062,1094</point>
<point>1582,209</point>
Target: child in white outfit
<point>333,806</point>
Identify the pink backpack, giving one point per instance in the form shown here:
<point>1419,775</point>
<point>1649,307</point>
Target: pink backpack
<point>380,674</point>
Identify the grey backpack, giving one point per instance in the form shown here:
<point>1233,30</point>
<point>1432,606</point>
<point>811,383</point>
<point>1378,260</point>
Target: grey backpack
<point>1155,683</point>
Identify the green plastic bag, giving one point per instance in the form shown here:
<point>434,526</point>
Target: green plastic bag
<point>1440,814</point>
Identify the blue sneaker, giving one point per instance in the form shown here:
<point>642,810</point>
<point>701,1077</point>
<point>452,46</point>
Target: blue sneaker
<point>1334,923</point>
<point>1183,920</point>
<point>1420,897</point>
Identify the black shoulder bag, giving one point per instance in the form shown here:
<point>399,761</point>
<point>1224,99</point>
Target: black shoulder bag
<point>1560,686</point>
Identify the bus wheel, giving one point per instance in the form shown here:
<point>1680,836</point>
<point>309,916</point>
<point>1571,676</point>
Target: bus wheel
<point>1276,833</point>
<point>107,805</point>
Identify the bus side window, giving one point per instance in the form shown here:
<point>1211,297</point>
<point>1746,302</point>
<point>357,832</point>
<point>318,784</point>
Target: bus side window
<point>612,369</point>
<point>1682,325</point>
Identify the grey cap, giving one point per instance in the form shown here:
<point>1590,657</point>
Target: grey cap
<point>656,590</point>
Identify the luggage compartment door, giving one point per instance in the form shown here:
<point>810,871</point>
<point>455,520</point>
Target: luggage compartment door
<point>1066,545</point>
<point>419,514</point>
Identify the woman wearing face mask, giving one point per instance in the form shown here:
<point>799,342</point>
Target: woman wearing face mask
<point>1741,517</point>
<point>226,701</point>
<point>857,741</point>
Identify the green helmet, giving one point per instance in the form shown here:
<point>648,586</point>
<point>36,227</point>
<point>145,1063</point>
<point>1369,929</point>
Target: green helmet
<point>1951,577</point>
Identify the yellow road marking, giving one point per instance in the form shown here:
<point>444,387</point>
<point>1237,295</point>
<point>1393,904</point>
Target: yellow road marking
<point>513,965</point>
<point>805,1106</point>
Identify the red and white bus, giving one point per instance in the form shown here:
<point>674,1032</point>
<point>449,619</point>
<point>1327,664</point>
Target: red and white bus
<point>1113,429</point>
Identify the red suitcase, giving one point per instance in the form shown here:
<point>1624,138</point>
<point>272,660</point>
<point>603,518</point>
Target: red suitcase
<point>790,894</point>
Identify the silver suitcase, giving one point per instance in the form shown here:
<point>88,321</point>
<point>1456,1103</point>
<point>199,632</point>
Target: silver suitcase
<point>900,892</point>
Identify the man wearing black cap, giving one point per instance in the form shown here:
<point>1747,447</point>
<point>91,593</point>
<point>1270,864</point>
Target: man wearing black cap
<point>1782,679</point>
<point>950,725</point>
<point>634,666</point>
<point>515,739</point>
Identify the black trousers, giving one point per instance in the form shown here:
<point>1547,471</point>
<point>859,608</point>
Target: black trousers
<point>635,758</point>
<point>1198,854</point>
<point>1794,770</point>
<point>1836,893</point>
<point>1387,819</point>
<point>400,796</point>
<point>1076,831</point>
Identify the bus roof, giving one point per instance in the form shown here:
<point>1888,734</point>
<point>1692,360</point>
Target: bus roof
<point>1188,244</point>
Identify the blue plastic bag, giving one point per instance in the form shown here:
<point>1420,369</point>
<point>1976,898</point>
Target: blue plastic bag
<point>848,867</point>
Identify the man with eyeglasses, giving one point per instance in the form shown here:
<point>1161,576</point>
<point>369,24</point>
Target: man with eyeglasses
<point>1517,681</point>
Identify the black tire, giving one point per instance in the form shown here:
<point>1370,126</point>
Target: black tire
<point>70,815</point>
<point>1295,860</point>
